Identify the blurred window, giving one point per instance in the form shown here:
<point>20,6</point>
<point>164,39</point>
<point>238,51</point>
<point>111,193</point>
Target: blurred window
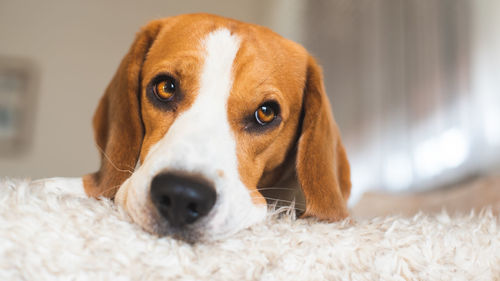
<point>411,87</point>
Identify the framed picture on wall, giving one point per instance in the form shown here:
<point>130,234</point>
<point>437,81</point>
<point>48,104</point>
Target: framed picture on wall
<point>17,105</point>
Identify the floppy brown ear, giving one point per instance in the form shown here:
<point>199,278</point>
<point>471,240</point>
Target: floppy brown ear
<point>118,128</point>
<point>322,167</point>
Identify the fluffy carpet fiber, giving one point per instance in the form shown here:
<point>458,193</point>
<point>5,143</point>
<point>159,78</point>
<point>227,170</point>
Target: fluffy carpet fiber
<point>45,235</point>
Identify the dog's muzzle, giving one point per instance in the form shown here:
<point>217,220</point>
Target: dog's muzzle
<point>180,199</point>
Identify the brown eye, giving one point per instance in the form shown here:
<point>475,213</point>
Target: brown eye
<point>266,113</point>
<point>165,89</point>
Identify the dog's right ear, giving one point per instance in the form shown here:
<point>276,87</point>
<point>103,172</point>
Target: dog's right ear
<point>118,128</point>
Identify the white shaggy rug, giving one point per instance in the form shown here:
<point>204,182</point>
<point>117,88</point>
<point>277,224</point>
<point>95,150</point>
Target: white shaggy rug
<point>45,236</point>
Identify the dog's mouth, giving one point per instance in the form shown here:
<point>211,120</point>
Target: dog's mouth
<point>190,234</point>
<point>187,208</point>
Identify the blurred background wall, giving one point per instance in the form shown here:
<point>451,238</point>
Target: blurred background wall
<point>415,85</point>
<point>76,47</point>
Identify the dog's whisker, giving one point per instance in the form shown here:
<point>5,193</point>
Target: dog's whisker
<point>284,201</point>
<point>279,208</point>
<point>108,189</point>
<point>130,171</point>
<point>272,188</point>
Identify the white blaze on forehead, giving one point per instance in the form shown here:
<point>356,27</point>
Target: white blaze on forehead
<point>201,141</point>
<point>216,77</point>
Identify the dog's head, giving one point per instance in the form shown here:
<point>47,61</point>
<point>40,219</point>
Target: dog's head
<point>204,116</point>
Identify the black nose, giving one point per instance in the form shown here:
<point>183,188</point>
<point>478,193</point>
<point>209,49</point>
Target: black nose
<point>181,199</point>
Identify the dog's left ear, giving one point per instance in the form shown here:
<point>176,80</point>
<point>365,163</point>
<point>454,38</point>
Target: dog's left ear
<point>321,161</point>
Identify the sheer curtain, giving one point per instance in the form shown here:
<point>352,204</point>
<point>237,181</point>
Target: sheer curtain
<point>414,86</point>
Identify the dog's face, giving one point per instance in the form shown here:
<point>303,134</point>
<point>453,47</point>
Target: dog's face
<point>212,112</point>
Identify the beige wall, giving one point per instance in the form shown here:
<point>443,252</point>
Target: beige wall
<point>77,46</point>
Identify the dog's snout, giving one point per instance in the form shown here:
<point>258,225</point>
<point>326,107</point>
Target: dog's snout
<point>182,199</point>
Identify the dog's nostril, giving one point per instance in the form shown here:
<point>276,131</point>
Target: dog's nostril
<point>165,201</point>
<point>181,199</point>
<point>193,209</point>
<point>192,212</point>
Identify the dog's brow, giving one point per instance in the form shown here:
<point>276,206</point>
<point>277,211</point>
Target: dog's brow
<point>266,78</point>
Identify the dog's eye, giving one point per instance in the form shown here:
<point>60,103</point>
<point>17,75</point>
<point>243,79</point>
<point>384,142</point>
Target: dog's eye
<point>165,88</point>
<point>266,113</point>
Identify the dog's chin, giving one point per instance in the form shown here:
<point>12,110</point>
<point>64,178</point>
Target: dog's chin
<point>205,230</point>
<point>191,234</point>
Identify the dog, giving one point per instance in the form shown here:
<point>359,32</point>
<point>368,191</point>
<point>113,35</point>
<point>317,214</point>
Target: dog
<point>207,121</point>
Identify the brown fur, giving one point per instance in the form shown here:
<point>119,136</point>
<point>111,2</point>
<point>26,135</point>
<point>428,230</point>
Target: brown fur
<point>322,167</point>
<point>267,66</point>
<point>117,123</point>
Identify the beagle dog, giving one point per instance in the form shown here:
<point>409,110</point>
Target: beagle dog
<point>207,119</point>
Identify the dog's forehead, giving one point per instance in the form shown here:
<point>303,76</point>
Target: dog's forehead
<point>262,52</point>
